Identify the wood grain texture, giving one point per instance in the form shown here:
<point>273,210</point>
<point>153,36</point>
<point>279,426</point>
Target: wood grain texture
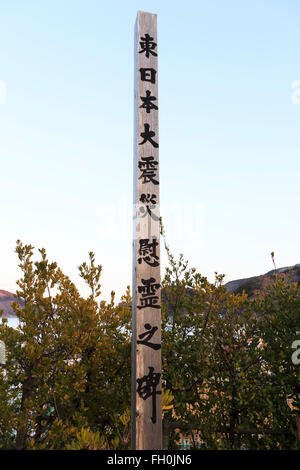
<point>146,360</point>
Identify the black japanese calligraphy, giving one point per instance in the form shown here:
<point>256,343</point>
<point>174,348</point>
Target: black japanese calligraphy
<point>147,136</point>
<point>148,102</point>
<point>148,75</point>
<point>149,201</point>
<point>147,388</point>
<point>147,335</point>
<point>147,252</point>
<point>148,293</point>
<point>148,198</point>
<point>148,170</point>
<point>146,285</point>
<point>148,45</point>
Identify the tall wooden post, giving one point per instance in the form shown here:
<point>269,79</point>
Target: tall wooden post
<point>146,414</point>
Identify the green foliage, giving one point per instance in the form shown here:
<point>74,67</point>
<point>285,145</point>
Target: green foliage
<point>227,368</point>
<point>66,362</point>
<point>227,360</point>
<point>88,440</point>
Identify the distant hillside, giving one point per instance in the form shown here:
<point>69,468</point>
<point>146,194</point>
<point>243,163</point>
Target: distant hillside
<point>6,298</point>
<point>258,283</point>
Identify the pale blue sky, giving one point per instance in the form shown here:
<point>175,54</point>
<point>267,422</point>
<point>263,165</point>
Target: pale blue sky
<point>229,133</point>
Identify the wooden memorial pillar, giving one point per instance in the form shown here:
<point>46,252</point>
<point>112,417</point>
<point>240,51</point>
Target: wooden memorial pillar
<point>146,414</point>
